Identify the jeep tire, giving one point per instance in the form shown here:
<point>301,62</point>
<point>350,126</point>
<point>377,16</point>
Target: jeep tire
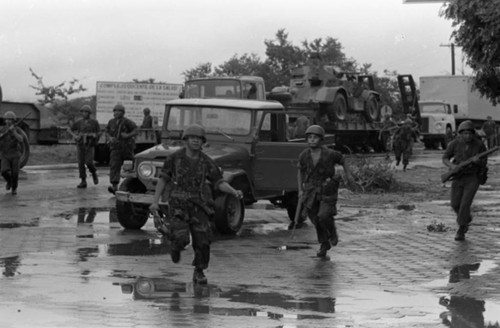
<point>229,214</point>
<point>131,216</point>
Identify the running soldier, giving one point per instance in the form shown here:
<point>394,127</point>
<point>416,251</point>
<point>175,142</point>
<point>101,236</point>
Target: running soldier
<point>403,142</point>
<point>11,138</point>
<point>318,186</point>
<point>490,130</point>
<point>188,177</point>
<point>466,184</point>
<point>121,132</point>
<point>85,132</point>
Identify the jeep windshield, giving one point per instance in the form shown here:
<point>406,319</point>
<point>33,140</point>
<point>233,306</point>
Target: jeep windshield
<point>215,120</point>
<point>220,88</point>
<point>432,108</point>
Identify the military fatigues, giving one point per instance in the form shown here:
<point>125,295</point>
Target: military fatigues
<point>403,143</point>
<point>121,149</point>
<point>189,183</point>
<point>465,186</point>
<point>87,130</point>
<point>490,129</point>
<point>10,156</point>
<point>321,190</point>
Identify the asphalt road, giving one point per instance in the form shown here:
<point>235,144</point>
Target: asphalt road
<point>66,262</point>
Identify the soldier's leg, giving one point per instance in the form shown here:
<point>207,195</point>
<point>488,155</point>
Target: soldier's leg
<point>115,164</point>
<point>89,161</point>
<point>15,167</point>
<point>201,233</point>
<point>471,185</point>
<point>322,233</point>
<point>5,169</point>
<point>80,153</point>
<point>457,190</point>
<point>326,219</point>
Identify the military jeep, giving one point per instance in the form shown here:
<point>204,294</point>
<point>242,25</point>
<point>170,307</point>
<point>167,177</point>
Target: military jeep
<point>248,139</point>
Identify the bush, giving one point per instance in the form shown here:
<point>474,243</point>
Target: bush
<point>370,175</point>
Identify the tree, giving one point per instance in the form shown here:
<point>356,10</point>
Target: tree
<point>56,97</point>
<point>201,70</point>
<point>478,34</point>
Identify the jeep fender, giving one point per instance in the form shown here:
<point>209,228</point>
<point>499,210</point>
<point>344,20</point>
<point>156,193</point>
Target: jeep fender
<point>239,180</point>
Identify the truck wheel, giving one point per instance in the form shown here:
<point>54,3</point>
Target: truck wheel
<point>372,111</point>
<point>25,150</point>
<point>338,111</point>
<point>229,214</point>
<point>131,216</point>
<point>101,154</point>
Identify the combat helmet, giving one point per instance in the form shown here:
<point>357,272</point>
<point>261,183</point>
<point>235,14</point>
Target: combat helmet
<point>194,130</point>
<point>317,130</point>
<point>119,107</point>
<point>86,108</point>
<point>9,115</point>
<point>466,125</point>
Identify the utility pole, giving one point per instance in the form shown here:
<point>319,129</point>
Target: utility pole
<point>452,46</point>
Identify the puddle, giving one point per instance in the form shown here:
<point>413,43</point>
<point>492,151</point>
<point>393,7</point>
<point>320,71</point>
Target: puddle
<point>34,222</point>
<point>163,290</point>
<point>465,311</point>
<point>10,265</point>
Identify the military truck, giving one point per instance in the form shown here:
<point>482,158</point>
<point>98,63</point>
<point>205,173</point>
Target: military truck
<point>249,141</point>
<point>344,103</point>
<point>228,87</point>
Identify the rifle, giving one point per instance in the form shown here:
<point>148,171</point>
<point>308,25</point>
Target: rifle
<point>14,125</point>
<point>456,171</point>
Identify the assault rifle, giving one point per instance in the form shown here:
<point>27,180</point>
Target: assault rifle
<point>456,171</point>
<point>14,125</point>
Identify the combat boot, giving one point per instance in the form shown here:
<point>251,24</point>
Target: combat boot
<point>460,235</point>
<point>82,184</point>
<point>199,277</point>
<point>8,186</point>
<point>175,254</point>
<point>95,178</point>
<point>325,246</point>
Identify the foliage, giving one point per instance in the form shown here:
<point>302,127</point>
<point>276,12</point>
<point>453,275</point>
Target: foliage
<point>283,56</point>
<point>56,98</point>
<point>150,81</point>
<point>437,227</point>
<point>478,33</point>
<point>370,175</point>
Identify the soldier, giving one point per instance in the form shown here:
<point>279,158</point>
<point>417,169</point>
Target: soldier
<point>466,184</point>
<point>147,121</point>
<point>490,130</point>
<point>188,175</point>
<point>85,132</point>
<point>121,132</point>
<point>403,142</point>
<point>318,186</point>
<point>11,138</point>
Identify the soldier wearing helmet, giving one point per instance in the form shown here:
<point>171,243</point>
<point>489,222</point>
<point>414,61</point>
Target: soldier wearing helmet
<point>147,121</point>
<point>491,131</point>
<point>318,186</point>
<point>11,138</point>
<point>466,182</point>
<point>120,133</point>
<point>188,176</point>
<point>404,137</point>
<point>85,132</point>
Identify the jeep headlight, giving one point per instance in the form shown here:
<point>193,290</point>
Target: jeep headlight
<point>146,170</point>
<point>439,126</point>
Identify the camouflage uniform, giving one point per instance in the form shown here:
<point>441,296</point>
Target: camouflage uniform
<point>403,143</point>
<point>121,149</point>
<point>85,144</point>
<point>465,186</point>
<point>189,184</point>
<point>321,190</point>
<point>10,156</point>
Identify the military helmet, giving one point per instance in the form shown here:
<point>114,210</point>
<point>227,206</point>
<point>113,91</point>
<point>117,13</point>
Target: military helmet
<point>194,130</point>
<point>9,115</point>
<point>466,125</point>
<point>119,107</point>
<point>317,130</point>
<point>86,108</point>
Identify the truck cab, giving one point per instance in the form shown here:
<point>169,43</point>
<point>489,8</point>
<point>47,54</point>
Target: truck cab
<point>438,125</point>
<point>248,139</point>
<point>228,87</point>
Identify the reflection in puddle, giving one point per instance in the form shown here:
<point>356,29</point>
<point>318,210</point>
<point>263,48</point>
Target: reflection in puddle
<point>10,265</point>
<point>34,222</point>
<point>163,290</point>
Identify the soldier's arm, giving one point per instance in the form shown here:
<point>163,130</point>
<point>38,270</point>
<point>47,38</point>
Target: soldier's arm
<point>154,207</point>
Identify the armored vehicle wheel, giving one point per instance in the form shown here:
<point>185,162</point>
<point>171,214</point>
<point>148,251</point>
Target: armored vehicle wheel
<point>338,111</point>
<point>25,150</point>
<point>229,214</point>
<point>131,216</point>
<point>372,110</point>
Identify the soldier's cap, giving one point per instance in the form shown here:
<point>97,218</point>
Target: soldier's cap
<point>86,108</point>
<point>119,107</point>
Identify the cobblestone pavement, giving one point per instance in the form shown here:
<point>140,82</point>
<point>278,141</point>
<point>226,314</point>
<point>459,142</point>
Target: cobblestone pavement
<point>75,269</point>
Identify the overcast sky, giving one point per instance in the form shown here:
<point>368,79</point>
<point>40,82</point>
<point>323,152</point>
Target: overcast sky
<point>111,40</point>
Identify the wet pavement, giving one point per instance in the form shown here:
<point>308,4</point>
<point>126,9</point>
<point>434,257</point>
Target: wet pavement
<point>66,262</point>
